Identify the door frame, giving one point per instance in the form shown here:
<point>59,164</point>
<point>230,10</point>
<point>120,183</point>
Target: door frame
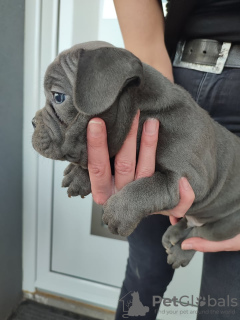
<point>41,45</point>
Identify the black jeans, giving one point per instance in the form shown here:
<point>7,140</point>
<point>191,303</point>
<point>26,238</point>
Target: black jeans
<point>147,270</point>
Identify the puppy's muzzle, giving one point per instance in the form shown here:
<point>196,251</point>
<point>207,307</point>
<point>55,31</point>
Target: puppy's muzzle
<point>34,122</point>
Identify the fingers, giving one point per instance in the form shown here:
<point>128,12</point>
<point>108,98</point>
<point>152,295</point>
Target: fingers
<point>187,198</point>
<point>98,161</point>
<point>204,245</point>
<point>147,153</point>
<point>173,220</point>
<point>125,160</point>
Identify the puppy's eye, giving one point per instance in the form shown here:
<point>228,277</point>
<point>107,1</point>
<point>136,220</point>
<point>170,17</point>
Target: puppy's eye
<point>58,97</point>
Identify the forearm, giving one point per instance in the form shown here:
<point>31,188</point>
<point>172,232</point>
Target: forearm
<point>142,27</point>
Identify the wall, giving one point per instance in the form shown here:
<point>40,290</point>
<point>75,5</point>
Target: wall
<point>11,114</point>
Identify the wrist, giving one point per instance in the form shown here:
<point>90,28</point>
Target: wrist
<point>164,66</point>
<point>157,57</point>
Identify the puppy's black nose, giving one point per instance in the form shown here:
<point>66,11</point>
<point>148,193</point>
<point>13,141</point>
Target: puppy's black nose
<point>34,123</point>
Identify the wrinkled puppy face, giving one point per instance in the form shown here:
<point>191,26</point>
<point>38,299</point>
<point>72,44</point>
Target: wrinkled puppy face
<point>53,121</point>
<point>60,120</point>
<point>82,82</point>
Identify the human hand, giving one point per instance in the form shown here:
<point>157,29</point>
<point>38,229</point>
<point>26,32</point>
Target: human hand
<point>104,185</point>
<point>203,245</point>
<point>187,198</point>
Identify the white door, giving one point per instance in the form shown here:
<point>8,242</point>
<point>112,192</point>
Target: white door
<point>70,259</point>
<point>75,251</point>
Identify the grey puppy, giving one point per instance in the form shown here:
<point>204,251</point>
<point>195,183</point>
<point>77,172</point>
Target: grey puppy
<point>98,79</point>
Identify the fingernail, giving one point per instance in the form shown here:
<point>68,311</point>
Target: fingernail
<point>187,246</point>
<point>185,184</point>
<point>95,127</point>
<point>150,126</point>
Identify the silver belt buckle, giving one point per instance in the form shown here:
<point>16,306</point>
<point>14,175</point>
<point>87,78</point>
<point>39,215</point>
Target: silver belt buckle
<point>218,68</point>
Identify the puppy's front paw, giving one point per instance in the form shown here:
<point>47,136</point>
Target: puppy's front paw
<point>121,216</point>
<point>77,180</point>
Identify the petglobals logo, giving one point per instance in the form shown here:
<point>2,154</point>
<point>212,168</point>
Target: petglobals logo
<point>201,301</point>
<point>219,302</point>
<point>185,301</point>
<point>132,306</point>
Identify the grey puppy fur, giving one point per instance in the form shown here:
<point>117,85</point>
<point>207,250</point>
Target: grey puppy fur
<point>98,79</point>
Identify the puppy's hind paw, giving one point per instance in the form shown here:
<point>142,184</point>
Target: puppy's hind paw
<point>178,257</point>
<point>174,234</point>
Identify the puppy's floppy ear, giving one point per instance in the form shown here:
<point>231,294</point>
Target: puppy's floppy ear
<point>102,74</point>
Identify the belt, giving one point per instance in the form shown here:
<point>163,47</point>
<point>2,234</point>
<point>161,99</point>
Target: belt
<point>207,55</point>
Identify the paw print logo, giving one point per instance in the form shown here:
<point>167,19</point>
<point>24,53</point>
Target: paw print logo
<point>201,301</point>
